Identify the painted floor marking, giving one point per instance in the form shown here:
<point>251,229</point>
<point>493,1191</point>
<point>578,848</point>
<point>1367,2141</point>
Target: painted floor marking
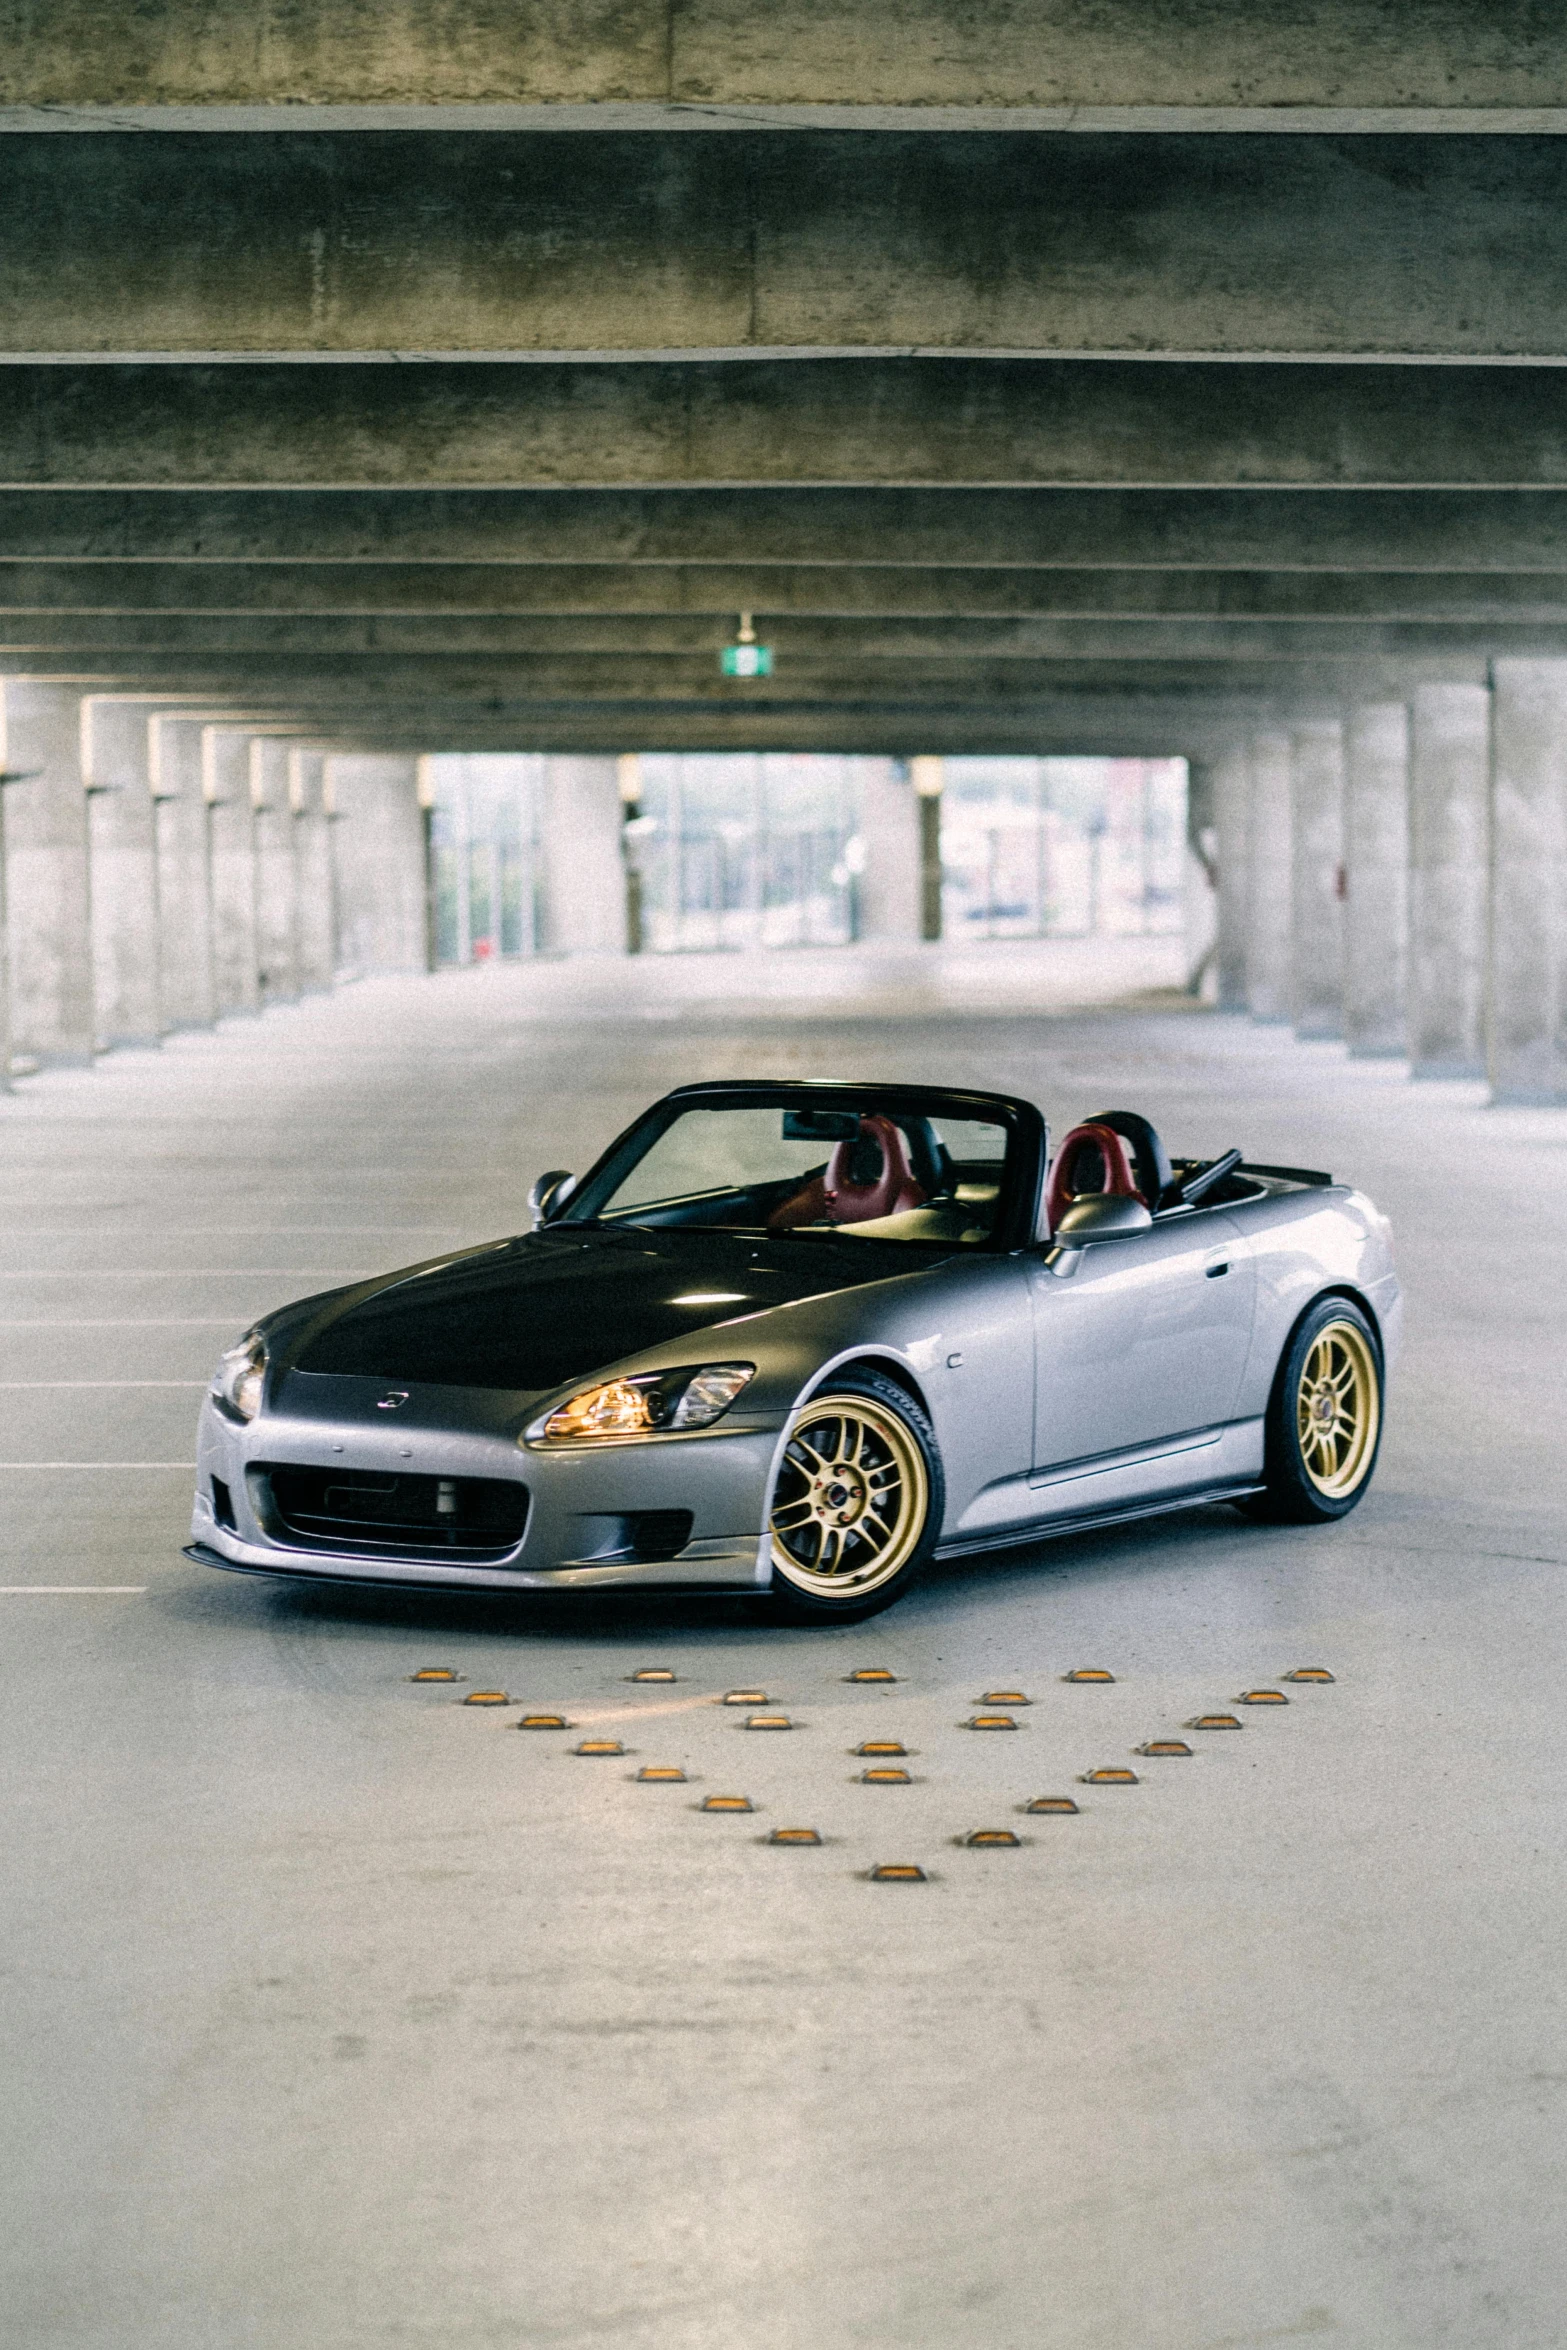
<point>59,1590</point>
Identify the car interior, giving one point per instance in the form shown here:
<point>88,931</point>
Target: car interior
<point>1119,1154</point>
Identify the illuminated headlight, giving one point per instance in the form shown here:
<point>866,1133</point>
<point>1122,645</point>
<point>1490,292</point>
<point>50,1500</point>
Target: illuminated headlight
<point>236,1383</point>
<point>649,1403</point>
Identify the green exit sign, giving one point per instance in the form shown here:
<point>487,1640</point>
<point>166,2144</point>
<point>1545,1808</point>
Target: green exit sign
<point>746,661</point>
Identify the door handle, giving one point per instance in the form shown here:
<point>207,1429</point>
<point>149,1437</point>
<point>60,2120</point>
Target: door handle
<point>1214,1271</point>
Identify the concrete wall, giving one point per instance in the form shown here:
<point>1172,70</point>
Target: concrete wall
<point>1270,864</point>
<point>1449,912</point>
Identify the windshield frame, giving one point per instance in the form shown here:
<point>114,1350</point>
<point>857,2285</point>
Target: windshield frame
<point>1023,1169</point>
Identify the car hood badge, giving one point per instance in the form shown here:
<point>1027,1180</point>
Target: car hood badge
<point>392,1402</point>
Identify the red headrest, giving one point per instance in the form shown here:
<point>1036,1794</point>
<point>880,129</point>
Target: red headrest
<point>889,1192</point>
<point>1114,1162</point>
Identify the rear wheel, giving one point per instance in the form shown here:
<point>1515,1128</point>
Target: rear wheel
<point>858,1504</point>
<point>1324,1419</point>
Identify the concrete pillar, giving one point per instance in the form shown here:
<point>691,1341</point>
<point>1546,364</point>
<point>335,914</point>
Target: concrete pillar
<point>378,848</point>
<point>184,852</point>
<point>123,861</point>
<point>315,889</point>
<point>1270,866</point>
<point>231,830</point>
<point>273,817</point>
<point>929,777</point>
<point>1231,804</point>
<point>48,906</point>
<point>1317,878</point>
<point>583,910</point>
<point>1525,1059</point>
<point>1376,878</point>
<point>890,886</point>
<point>1449,829</point>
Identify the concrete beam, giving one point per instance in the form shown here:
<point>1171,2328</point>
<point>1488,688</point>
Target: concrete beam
<point>800,422</point>
<point>166,593</point>
<point>696,62</point>
<point>322,689</point>
<point>1277,531</point>
<point>1085,246</point>
<point>286,641</point>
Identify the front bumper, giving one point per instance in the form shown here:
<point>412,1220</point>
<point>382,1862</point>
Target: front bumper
<point>580,1499</point>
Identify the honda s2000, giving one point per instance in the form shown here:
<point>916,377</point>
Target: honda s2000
<point>799,1339</point>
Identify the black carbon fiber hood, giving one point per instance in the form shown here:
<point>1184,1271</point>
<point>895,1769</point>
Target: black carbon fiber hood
<point>537,1311</point>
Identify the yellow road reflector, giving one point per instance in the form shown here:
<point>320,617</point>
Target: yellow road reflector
<point>990,1722</point>
<point>745,1697</point>
<point>1301,1673</point>
<point>1165,1746</point>
<point>1213,1722</point>
<point>897,1872</point>
<point>881,1746</point>
<point>1088,1673</point>
<point>871,1673</point>
<point>486,1697</point>
<point>992,1836</point>
<point>726,1803</point>
<point>1108,1778</point>
<point>889,1777</point>
<point>769,1722</point>
<point>652,1673</point>
<point>1262,1697</point>
<point>1051,1803</point>
<point>544,1722</point>
<point>435,1673</point>
<point>1005,1697</point>
<point>599,1746</point>
<point>794,1836</point>
<point>658,1772</point>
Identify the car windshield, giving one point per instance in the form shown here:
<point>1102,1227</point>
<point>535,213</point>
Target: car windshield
<point>878,1173</point>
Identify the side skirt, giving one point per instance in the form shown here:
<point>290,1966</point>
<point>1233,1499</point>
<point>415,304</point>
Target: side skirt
<point>1052,1529</point>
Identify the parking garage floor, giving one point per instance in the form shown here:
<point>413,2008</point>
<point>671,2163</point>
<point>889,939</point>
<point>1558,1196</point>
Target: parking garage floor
<point>337,2014</point>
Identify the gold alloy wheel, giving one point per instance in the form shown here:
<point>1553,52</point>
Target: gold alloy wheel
<point>1338,1408</point>
<point>852,1497</point>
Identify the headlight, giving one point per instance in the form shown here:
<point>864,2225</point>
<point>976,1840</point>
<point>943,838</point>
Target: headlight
<point>646,1404</point>
<point>236,1383</point>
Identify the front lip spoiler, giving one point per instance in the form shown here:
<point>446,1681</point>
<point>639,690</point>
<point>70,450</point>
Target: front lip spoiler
<point>203,1556</point>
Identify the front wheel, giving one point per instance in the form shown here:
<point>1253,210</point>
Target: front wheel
<point>1324,1418</point>
<point>858,1505</point>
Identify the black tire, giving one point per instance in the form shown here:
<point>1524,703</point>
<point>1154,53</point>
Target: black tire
<point>900,1446</point>
<point>1316,1467</point>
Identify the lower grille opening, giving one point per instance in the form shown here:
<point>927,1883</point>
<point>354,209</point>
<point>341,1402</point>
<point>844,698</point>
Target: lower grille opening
<point>637,1537</point>
<point>223,1505</point>
<point>374,1513</point>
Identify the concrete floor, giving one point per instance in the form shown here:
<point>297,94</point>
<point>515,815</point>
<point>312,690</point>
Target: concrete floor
<point>338,2015</point>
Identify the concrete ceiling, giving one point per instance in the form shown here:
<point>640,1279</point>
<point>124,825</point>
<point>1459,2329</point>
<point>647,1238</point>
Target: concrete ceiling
<point>1066,377</point>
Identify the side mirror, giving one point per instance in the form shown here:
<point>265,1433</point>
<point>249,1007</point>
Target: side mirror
<point>1099,1217</point>
<point>549,1194</point>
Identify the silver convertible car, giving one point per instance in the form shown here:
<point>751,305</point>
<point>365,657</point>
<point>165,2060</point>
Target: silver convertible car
<point>797,1340</point>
